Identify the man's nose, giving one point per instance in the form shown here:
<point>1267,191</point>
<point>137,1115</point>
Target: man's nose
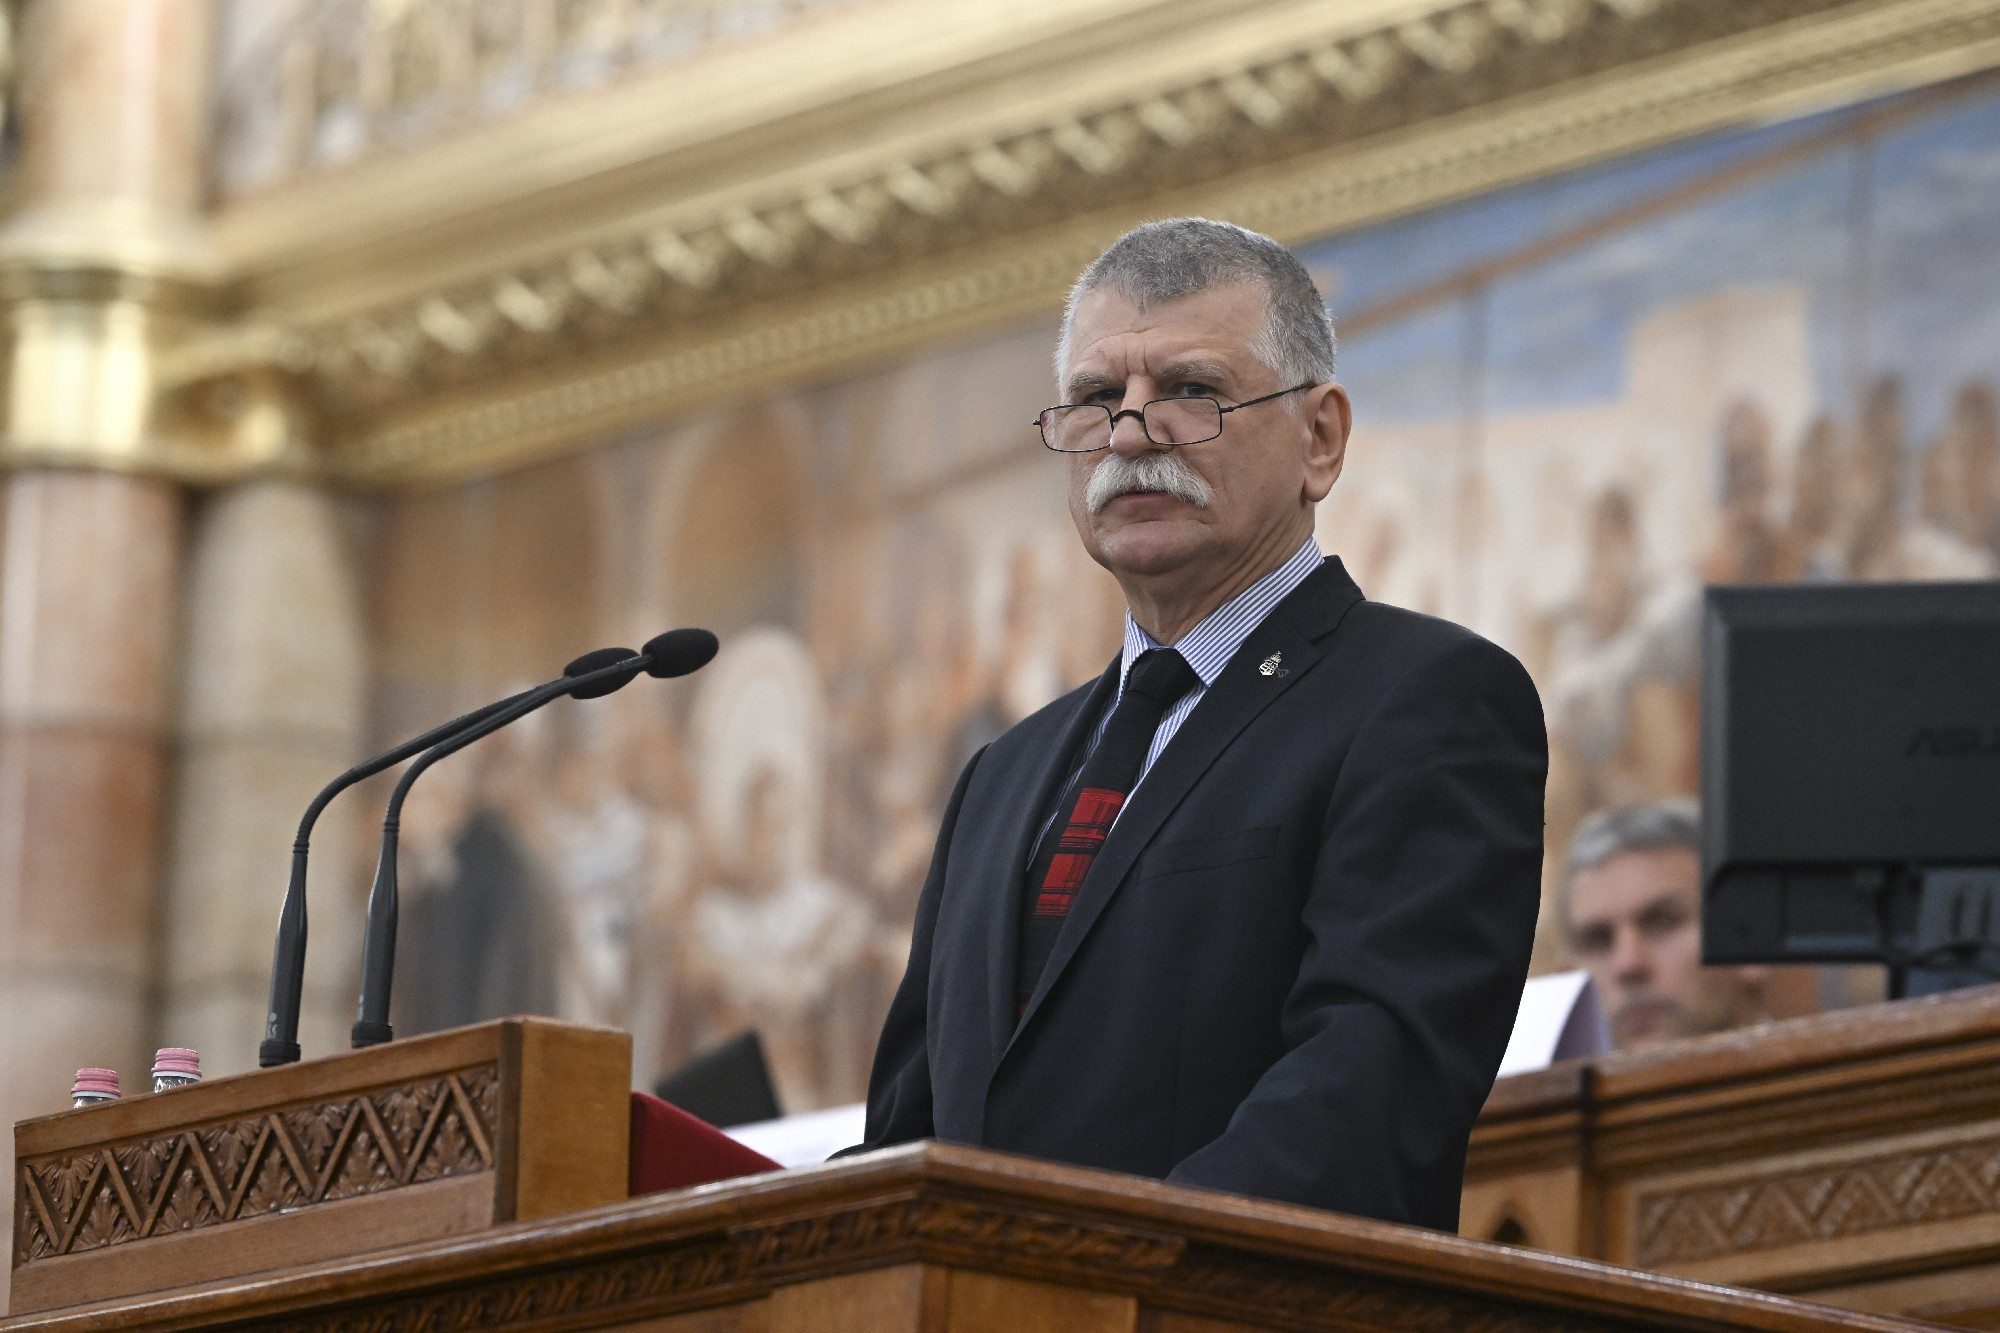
<point>1629,961</point>
<point>1128,432</point>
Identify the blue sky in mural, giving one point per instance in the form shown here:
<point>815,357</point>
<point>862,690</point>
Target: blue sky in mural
<point>1935,275</point>
<point>1789,211</point>
<point>1558,331</point>
<point>1381,263</point>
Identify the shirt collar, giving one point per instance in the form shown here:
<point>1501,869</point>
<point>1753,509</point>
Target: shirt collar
<point>1211,643</point>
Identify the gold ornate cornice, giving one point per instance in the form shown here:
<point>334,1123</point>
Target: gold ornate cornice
<point>819,216</point>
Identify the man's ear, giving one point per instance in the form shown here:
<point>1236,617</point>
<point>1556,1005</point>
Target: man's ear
<point>1326,445</point>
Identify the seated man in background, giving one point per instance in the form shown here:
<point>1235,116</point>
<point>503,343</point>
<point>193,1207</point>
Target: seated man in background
<point>1630,899</point>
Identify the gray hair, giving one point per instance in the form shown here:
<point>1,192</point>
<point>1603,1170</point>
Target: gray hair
<point>1652,827</point>
<point>1165,261</point>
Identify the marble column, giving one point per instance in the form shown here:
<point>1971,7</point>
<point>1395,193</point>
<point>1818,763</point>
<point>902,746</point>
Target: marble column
<point>87,595</point>
<point>101,257</point>
<point>273,679</point>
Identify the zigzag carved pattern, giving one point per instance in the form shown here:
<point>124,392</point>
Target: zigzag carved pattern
<point>220,1173</point>
<point>1827,1203</point>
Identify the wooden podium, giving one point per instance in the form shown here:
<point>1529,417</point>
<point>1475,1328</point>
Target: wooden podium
<point>1853,1158</point>
<point>458,1182</point>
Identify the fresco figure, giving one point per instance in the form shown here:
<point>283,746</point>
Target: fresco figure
<point>475,921</point>
<point>1880,544</point>
<point>650,762</point>
<point>1811,548</point>
<point>770,941</point>
<point>1976,433</point>
<point>1750,546</point>
<point>1871,488</point>
<point>1960,500</point>
<point>1622,663</point>
<point>597,843</point>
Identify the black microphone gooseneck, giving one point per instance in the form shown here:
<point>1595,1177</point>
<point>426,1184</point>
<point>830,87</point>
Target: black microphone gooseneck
<point>288,967</point>
<point>675,653</point>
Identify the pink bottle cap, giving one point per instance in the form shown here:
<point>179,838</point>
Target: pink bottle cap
<point>177,1061</point>
<point>95,1082</point>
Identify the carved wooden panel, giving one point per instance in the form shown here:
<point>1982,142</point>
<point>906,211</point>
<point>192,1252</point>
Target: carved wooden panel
<point>1827,1202</point>
<point>1048,1240</point>
<point>294,1157</point>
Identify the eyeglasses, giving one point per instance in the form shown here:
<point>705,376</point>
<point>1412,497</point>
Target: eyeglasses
<point>1081,428</point>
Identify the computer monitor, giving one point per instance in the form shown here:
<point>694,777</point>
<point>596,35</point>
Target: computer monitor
<point>1851,775</point>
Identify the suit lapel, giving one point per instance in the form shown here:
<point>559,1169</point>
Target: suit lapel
<point>1239,694</point>
<point>1030,802</point>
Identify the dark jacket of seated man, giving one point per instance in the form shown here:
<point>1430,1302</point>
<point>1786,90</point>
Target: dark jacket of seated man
<point>1294,967</point>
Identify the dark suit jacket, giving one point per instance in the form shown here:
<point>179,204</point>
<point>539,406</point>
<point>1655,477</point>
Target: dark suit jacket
<point>1295,964</point>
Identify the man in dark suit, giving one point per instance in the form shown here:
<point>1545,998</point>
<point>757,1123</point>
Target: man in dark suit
<point>1253,911</point>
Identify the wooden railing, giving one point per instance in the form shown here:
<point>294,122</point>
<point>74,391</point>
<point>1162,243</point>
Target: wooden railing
<point>1852,1158</point>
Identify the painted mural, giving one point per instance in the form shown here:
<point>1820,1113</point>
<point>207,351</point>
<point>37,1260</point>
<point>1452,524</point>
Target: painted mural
<point>1765,355</point>
<point>1768,356</point>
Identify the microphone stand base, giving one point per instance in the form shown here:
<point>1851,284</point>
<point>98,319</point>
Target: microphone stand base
<point>271,1054</point>
<point>371,1034</point>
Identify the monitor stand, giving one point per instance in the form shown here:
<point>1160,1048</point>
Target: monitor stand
<point>1957,940</point>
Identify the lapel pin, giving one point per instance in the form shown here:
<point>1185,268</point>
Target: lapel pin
<point>1272,666</point>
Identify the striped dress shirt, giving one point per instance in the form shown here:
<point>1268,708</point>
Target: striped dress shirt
<point>1207,648</point>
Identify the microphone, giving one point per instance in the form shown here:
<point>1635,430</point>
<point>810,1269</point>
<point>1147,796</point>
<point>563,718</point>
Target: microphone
<point>677,653</point>
<point>595,674</point>
<point>674,653</point>
<point>288,967</point>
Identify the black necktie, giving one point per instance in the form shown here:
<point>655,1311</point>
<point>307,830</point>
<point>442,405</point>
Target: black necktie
<point>1092,801</point>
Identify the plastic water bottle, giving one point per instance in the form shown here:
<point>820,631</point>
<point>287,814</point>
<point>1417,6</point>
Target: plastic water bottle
<point>175,1067</point>
<point>93,1086</point>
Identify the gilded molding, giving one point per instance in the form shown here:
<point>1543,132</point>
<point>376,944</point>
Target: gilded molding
<point>166,387</point>
<point>802,269</point>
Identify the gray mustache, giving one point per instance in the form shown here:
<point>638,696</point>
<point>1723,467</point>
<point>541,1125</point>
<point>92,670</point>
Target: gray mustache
<point>1118,475</point>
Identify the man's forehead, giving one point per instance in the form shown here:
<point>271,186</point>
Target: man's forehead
<point>1113,367</point>
<point>1636,880</point>
<point>1109,333</point>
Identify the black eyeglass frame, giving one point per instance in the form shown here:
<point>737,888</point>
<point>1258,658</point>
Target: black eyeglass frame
<point>1140,412</point>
